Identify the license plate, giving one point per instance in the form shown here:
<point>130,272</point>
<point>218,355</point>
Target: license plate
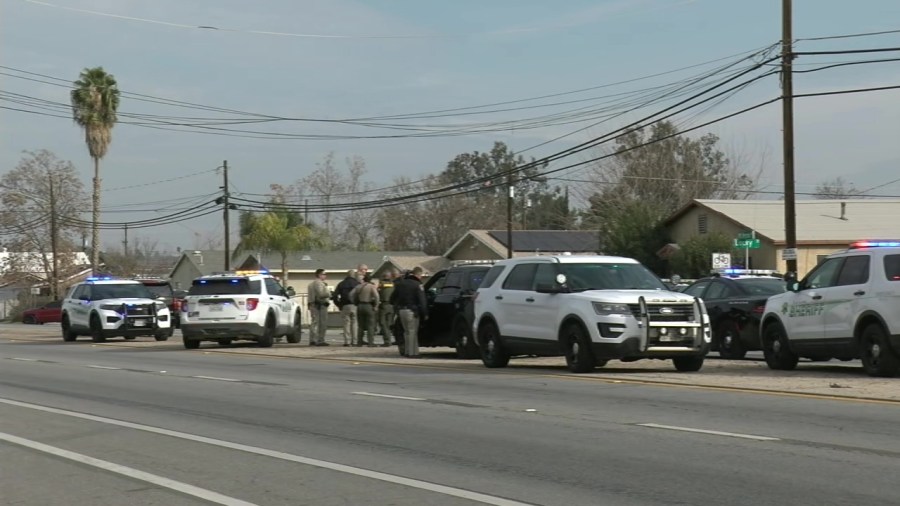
<point>671,337</point>
<point>216,307</point>
<point>140,323</point>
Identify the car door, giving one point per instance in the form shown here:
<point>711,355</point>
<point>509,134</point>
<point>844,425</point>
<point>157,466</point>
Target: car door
<point>542,311</point>
<point>515,300</point>
<point>802,311</point>
<point>846,299</point>
<point>442,306</point>
<point>278,302</point>
<point>432,288</point>
<point>81,306</point>
<point>50,313</point>
<point>714,298</point>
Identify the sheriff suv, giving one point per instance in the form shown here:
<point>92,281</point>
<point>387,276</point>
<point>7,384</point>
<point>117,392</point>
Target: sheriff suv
<point>590,309</point>
<point>106,307</point>
<point>845,308</point>
<point>248,305</point>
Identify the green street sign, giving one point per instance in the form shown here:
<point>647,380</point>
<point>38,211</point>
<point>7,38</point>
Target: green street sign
<point>746,243</point>
<point>745,235</point>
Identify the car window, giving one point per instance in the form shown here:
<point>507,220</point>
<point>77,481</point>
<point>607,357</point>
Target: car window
<point>762,286</point>
<point>272,286</point>
<point>610,276</point>
<point>123,291</point>
<point>545,274</point>
<point>476,276</point>
<point>718,290</point>
<point>78,293</point>
<point>855,271</point>
<point>225,286</point>
<point>452,283</point>
<point>492,276</point>
<point>824,275</point>
<point>436,282</point>
<point>892,267</point>
<point>163,290</point>
<point>521,277</point>
<point>696,290</point>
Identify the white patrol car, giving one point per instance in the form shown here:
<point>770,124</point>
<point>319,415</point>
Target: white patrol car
<point>589,309</point>
<point>249,305</point>
<point>845,308</point>
<point>104,307</point>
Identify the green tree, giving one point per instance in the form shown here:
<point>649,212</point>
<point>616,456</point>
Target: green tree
<point>95,101</point>
<point>694,257</point>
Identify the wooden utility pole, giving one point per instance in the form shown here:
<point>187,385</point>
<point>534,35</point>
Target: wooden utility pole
<point>125,242</point>
<point>787,102</point>
<point>510,196</point>
<point>225,217</point>
<point>54,275</point>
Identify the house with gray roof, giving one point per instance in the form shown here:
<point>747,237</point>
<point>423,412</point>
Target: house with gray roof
<point>492,244</point>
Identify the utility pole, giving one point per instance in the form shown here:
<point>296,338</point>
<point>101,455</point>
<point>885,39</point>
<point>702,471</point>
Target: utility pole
<point>225,215</point>
<point>54,276</point>
<point>510,195</point>
<point>787,102</point>
<point>125,242</point>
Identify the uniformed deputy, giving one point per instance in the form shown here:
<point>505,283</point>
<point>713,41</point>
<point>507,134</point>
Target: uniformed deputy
<point>386,309</point>
<point>319,298</point>
<point>367,300</point>
<point>408,300</point>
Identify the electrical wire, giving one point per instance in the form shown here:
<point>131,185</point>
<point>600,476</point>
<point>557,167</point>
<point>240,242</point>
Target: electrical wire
<point>849,35</point>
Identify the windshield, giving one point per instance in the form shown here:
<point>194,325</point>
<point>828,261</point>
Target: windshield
<point>161,290</point>
<point>609,276</point>
<point>129,291</point>
<point>226,286</point>
<point>763,286</point>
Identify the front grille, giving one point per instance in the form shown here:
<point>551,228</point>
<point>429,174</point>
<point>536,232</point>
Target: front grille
<point>665,312</point>
<point>139,310</point>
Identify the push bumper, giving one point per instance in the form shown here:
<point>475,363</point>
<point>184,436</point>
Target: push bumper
<point>235,330</point>
<point>632,348</point>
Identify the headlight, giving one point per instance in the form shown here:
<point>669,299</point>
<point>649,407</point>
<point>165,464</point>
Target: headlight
<point>606,309</point>
<point>111,307</point>
<point>160,304</point>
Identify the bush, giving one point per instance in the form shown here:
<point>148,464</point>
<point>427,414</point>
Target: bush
<point>694,258</point>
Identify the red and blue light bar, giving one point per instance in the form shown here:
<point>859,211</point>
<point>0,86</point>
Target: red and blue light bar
<point>875,244</point>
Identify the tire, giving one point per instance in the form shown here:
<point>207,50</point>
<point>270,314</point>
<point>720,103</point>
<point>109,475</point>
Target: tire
<point>692,363</point>
<point>877,357</point>
<point>492,353</point>
<point>577,347</point>
<point>466,347</point>
<point>29,320</point>
<point>162,335</point>
<point>129,338</point>
<point>296,332</point>
<point>190,344</point>
<point>224,342</point>
<point>268,338</point>
<point>97,330</point>
<point>67,334</point>
<point>777,349</point>
<point>728,339</point>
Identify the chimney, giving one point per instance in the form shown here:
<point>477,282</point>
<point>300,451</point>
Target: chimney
<point>844,211</point>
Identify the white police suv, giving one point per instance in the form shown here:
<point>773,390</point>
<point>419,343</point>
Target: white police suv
<point>589,309</point>
<point>104,307</point>
<point>248,305</point>
<point>845,308</point>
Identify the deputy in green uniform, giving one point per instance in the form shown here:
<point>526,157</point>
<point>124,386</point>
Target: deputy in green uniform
<point>386,310</point>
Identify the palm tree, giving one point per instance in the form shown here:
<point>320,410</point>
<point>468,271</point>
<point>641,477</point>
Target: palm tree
<point>95,100</point>
<point>276,231</point>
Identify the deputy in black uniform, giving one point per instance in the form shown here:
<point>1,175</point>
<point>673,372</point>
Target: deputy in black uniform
<point>408,300</point>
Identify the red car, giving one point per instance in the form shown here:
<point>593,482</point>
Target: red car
<point>48,313</point>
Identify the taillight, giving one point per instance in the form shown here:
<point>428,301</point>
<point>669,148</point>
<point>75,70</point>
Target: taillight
<point>759,309</point>
<point>251,304</point>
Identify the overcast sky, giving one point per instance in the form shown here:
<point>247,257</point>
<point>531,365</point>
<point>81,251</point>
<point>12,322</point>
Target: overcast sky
<point>439,55</point>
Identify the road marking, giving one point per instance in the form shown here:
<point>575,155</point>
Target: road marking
<point>216,378</point>
<point>24,359</point>
<point>386,396</point>
<point>184,488</point>
<point>710,432</point>
<point>322,464</point>
<point>105,367</point>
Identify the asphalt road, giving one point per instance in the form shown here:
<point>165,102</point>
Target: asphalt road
<point>85,424</point>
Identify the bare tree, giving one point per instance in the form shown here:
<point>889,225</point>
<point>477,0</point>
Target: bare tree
<point>836,189</point>
<point>38,200</point>
<point>358,224</point>
<point>143,258</point>
<point>328,183</point>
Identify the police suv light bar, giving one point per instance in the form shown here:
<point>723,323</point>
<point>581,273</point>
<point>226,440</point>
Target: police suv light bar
<point>875,244</point>
<point>100,278</point>
<point>746,272</point>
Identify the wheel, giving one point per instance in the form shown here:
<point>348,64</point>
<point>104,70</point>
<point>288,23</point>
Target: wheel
<point>190,344</point>
<point>777,349</point>
<point>296,332</point>
<point>492,353</point>
<point>97,330</point>
<point>224,342</point>
<point>728,338</point>
<point>877,357</point>
<point>67,334</point>
<point>129,338</point>
<point>162,335</point>
<point>692,363</point>
<point>29,320</point>
<point>268,338</point>
<point>577,347</point>
<point>466,348</point>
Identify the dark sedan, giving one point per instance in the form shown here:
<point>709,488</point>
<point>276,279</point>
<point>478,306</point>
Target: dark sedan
<point>735,303</point>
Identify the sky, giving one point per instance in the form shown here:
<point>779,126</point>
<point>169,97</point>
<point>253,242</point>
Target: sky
<point>338,59</point>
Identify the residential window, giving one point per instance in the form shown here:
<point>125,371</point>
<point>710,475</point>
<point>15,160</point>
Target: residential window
<point>701,224</point>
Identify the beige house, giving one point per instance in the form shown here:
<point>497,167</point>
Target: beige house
<point>823,226</point>
<point>491,244</point>
<point>429,264</point>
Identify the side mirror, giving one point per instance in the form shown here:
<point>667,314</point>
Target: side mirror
<point>548,288</point>
<point>790,279</point>
<point>289,292</point>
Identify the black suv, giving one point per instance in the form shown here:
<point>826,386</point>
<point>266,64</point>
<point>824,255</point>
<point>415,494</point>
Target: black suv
<point>449,294</point>
<point>162,289</point>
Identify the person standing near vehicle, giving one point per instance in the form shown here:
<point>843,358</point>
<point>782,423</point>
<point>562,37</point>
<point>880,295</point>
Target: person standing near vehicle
<point>386,309</point>
<point>408,300</point>
<point>367,300</point>
<point>319,298</point>
<point>347,306</point>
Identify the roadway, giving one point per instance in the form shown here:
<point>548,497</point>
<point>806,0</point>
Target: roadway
<point>85,424</point>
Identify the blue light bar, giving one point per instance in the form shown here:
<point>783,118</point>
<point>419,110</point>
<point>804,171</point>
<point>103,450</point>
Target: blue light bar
<point>875,244</point>
<point>104,278</point>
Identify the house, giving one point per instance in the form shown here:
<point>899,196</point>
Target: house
<point>429,264</point>
<point>193,264</point>
<point>823,226</point>
<point>492,245</point>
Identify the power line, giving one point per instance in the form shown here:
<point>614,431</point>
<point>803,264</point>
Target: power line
<point>847,51</point>
<point>850,35</point>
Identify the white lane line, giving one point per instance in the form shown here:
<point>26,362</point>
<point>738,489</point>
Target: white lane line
<point>105,367</point>
<point>386,396</point>
<point>184,488</point>
<point>216,378</point>
<point>710,432</point>
<point>322,464</point>
<point>24,359</point>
